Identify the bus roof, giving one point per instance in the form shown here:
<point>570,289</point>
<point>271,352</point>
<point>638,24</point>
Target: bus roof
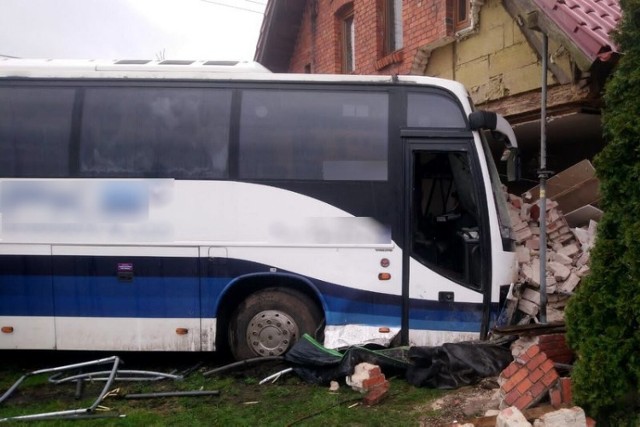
<point>191,70</point>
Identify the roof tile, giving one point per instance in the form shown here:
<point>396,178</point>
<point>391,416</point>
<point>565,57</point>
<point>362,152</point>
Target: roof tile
<point>589,23</point>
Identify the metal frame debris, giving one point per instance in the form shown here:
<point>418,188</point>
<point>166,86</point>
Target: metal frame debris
<point>72,413</point>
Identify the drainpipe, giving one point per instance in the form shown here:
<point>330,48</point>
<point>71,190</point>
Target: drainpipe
<point>543,174</point>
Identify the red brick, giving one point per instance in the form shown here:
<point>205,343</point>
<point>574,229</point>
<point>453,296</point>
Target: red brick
<point>550,378</point>
<point>377,394</point>
<point>510,370</point>
<point>524,385</point>
<point>536,361</point>
<point>555,397</point>
<point>551,338</point>
<point>511,397</point>
<point>538,389</point>
<point>523,402</point>
<point>555,347</point>
<point>372,382</point>
<point>561,356</point>
<point>547,366</point>
<point>531,352</point>
<point>565,389</point>
<point>318,40</point>
<point>558,350</point>
<point>374,371</point>
<point>515,379</point>
<point>535,375</point>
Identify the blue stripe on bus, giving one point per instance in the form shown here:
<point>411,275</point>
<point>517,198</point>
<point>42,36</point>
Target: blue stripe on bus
<point>152,297</point>
<point>25,296</point>
<point>180,293</point>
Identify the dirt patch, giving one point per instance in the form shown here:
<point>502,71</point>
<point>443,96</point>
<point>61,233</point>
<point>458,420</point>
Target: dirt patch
<point>458,405</point>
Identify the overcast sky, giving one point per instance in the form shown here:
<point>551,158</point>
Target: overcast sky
<point>130,29</point>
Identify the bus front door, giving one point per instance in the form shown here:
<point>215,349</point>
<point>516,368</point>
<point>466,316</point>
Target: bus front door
<point>446,243</point>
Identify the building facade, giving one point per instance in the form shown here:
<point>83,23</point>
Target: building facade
<point>494,47</point>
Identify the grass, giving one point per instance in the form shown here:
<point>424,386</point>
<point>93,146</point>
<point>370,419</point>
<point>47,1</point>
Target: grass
<point>242,401</point>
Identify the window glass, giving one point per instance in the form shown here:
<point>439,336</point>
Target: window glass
<point>155,132</point>
<point>35,127</point>
<point>506,231</point>
<point>461,13</point>
<point>392,21</point>
<point>429,110</point>
<point>349,42</point>
<point>314,135</point>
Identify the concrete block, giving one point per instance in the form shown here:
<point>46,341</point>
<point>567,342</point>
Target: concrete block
<point>362,372</point>
<point>510,58</point>
<point>565,417</point>
<point>523,254</point>
<point>511,417</point>
<point>569,250</point>
<point>561,258</point>
<point>560,272</point>
<point>570,284</point>
<point>477,47</point>
<point>523,79</point>
<point>473,73</point>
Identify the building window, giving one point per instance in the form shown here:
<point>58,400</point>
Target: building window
<point>348,43</point>
<point>346,38</point>
<point>391,25</point>
<point>460,14</point>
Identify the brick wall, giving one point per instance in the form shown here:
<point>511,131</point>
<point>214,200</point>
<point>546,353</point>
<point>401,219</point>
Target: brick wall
<point>319,42</point>
<point>528,379</point>
<point>493,61</point>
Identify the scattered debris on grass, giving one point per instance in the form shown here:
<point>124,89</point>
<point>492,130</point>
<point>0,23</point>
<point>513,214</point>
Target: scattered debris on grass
<point>89,412</point>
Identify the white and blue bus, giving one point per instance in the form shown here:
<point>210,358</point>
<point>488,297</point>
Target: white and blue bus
<point>192,206</point>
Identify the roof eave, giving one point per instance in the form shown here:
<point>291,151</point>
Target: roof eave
<point>278,33</point>
<point>528,13</point>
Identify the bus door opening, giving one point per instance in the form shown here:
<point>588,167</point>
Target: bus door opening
<point>445,230</point>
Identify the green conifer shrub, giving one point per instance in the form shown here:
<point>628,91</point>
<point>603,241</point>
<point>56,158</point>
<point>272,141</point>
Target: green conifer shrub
<point>603,318</point>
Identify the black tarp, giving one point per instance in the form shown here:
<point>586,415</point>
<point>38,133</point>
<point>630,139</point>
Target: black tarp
<point>453,365</point>
<point>317,364</point>
<point>448,366</point>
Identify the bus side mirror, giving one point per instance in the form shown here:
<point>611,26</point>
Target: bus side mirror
<point>502,131</point>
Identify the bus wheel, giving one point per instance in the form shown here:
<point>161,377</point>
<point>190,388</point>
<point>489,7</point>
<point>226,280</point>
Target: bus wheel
<point>270,321</point>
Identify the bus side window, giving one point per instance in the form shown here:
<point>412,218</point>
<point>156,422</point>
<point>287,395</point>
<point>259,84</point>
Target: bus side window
<point>35,128</point>
<point>316,135</point>
<point>155,133</point>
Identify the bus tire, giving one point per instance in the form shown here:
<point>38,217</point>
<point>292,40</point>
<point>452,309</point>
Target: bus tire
<point>270,321</point>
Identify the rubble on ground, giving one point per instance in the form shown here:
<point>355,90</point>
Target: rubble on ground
<point>533,390</point>
<point>569,239</point>
<point>567,258</point>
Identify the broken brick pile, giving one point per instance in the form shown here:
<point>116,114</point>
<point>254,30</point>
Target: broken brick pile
<point>527,379</point>
<point>530,378</point>
<point>567,257</point>
<point>553,345</point>
<point>369,379</point>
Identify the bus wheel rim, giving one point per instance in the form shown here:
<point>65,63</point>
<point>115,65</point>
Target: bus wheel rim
<point>271,333</point>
